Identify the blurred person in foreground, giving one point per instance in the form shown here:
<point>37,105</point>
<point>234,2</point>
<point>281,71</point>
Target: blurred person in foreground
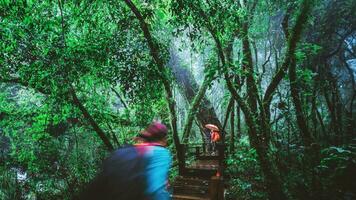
<point>135,172</point>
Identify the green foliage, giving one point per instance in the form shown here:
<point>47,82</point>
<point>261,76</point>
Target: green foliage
<point>337,171</point>
<point>48,49</point>
<point>8,186</point>
<point>306,49</point>
<point>246,181</point>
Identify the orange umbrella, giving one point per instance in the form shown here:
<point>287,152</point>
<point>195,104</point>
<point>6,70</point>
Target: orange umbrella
<point>212,127</point>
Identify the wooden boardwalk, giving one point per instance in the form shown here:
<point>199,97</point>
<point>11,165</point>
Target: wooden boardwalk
<point>202,178</point>
<point>205,164</point>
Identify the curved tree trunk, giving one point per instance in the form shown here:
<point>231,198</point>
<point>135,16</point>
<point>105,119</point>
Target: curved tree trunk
<point>162,73</point>
<point>194,106</point>
<point>205,113</point>
<point>301,121</point>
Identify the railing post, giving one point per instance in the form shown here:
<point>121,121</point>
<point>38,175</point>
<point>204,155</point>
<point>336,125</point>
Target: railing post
<point>204,147</point>
<point>181,165</point>
<point>221,158</point>
<point>197,152</point>
<point>216,188</point>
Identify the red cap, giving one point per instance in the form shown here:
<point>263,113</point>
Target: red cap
<point>154,131</point>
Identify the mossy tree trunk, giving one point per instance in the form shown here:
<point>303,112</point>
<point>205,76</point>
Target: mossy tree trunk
<point>188,86</point>
<point>162,73</point>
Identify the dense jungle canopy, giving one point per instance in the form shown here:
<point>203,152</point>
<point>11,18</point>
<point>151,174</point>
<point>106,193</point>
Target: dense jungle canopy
<point>80,78</point>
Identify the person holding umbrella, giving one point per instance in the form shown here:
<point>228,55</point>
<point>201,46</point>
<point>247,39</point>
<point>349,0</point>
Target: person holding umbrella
<point>214,135</point>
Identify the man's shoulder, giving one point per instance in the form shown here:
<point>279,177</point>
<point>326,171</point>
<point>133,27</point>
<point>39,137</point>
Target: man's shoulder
<point>157,152</point>
<point>161,149</point>
<point>124,149</point>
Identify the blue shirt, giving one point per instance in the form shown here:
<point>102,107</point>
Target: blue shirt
<point>157,163</point>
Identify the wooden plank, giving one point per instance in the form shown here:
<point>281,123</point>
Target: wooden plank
<point>193,190</point>
<point>200,173</point>
<point>207,157</point>
<point>187,197</point>
<point>191,181</point>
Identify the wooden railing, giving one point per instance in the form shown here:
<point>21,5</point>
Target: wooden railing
<point>201,172</point>
<point>198,152</point>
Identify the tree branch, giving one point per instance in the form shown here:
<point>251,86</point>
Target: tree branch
<point>120,98</point>
<point>229,107</point>
<point>91,121</point>
<point>292,44</point>
<point>75,101</point>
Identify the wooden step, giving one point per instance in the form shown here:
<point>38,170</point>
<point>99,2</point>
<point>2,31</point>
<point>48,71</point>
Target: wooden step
<point>198,173</point>
<point>191,181</point>
<point>191,190</point>
<point>205,164</point>
<point>192,187</point>
<point>187,197</point>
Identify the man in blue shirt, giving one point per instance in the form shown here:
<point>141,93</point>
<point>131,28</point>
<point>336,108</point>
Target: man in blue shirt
<point>135,172</point>
<point>157,161</point>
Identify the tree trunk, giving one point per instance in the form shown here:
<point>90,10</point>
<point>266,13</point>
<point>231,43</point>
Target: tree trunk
<point>194,106</point>
<point>273,183</point>
<point>339,121</point>
<point>321,124</point>
<point>239,131</point>
<point>232,129</point>
<point>92,122</point>
<point>228,111</point>
<point>331,108</point>
<point>301,121</point>
<point>162,74</point>
<point>205,113</point>
<point>295,35</point>
<point>350,121</point>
